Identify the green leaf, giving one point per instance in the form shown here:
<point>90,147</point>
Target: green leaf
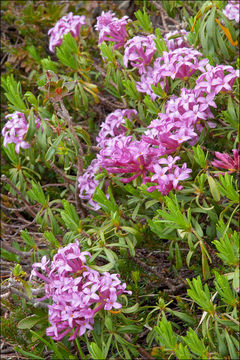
<point>37,194</point>
<point>195,344</point>
<point>51,151</point>
<point>13,93</point>
<point>213,188</point>
<point>132,329</point>
<point>31,98</point>
<point>200,157</point>
<point>231,347</point>
<point>52,240</point>
<point>32,126</point>
<point>107,346</point>
<point>186,318</point>
<point>103,268</point>
<point>130,246</point>
<point>144,20</point>
<point>11,153</point>
<point>49,345</point>
<point>67,52</point>
<point>27,354</point>
<point>107,51</point>
<point>102,200</point>
<point>96,352</point>
<point>28,239</point>
<point>165,334</point>
<point>151,107</point>
<point>227,187</point>
<point>70,216</point>
<point>9,256</point>
<point>130,309</point>
<point>29,322</point>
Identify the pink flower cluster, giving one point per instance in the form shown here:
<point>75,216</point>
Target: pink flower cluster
<point>114,125</point>
<point>125,155</point>
<point>77,291</point>
<point>69,23</point>
<point>232,10</point>
<point>112,29</point>
<point>216,79</point>
<point>225,161</point>
<point>148,157</point>
<point>178,42</point>
<point>88,184</point>
<point>132,158</point>
<point>16,129</point>
<point>110,129</point>
<point>167,177</point>
<point>139,52</point>
<point>177,64</point>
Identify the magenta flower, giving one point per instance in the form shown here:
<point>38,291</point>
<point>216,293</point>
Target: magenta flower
<point>88,184</point>
<point>225,161</point>
<point>126,155</point>
<point>16,129</point>
<point>69,23</point>
<point>216,79</point>
<point>139,52</point>
<point>114,125</point>
<point>112,29</point>
<point>168,177</point>
<point>77,292</point>
<point>177,64</point>
<point>179,174</point>
<point>178,42</point>
<point>105,19</point>
<point>232,10</point>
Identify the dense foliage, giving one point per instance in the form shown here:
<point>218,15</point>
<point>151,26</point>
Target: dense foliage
<point>120,179</point>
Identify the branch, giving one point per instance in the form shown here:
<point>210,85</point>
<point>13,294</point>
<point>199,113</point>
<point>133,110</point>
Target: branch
<point>143,352</point>
<point>16,251</point>
<point>63,113</point>
<point>61,173</point>
<point>24,296</point>
<point>28,205</point>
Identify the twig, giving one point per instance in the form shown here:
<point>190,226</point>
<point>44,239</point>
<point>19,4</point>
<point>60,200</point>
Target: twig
<point>143,352</point>
<point>111,105</point>
<point>28,205</point>
<point>24,296</point>
<point>160,7</point>
<point>63,113</point>
<point>164,280</point>
<point>61,173</point>
<point>91,147</point>
<point>103,73</point>
<point>53,185</point>
<point>16,251</point>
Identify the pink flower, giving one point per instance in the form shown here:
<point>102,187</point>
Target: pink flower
<point>178,42</point>
<point>111,302</point>
<point>216,79</point>
<point>88,184</point>
<point>177,64</point>
<point>105,19</point>
<point>69,23</point>
<point>112,29</point>
<point>126,155</point>
<point>77,292</point>
<point>139,52</point>
<point>225,161</point>
<point>114,125</point>
<point>16,129</point>
<point>232,10</point>
<point>179,174</point>
<point>168,177</point>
